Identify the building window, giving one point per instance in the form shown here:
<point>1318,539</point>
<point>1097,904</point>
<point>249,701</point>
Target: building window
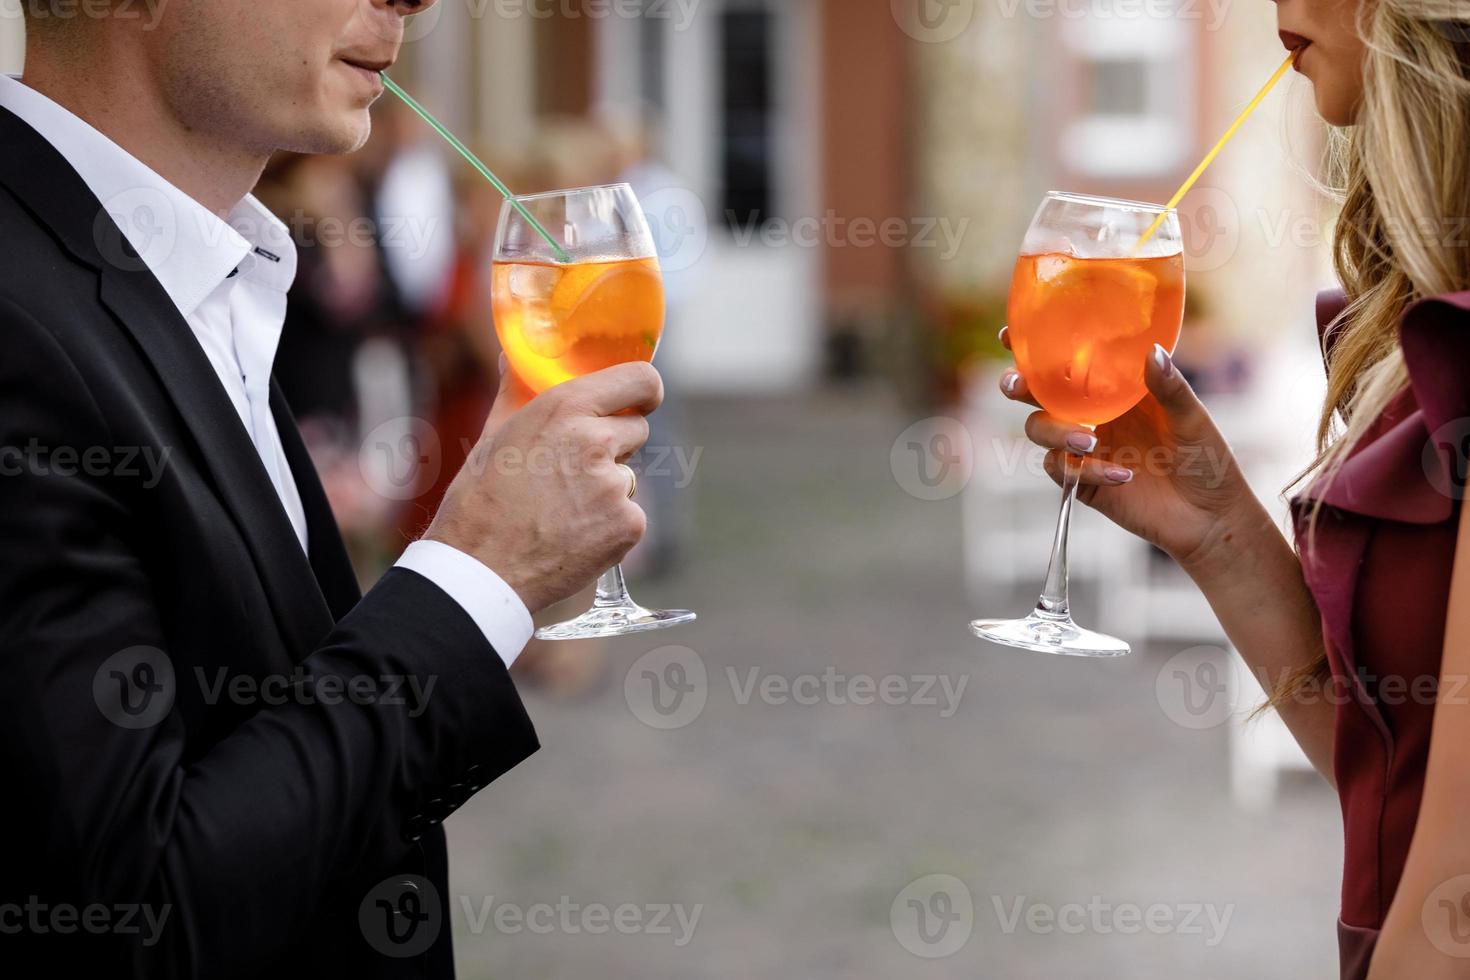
<point>1136,116</point>
<point>651,57</point>
<point>747,63</point>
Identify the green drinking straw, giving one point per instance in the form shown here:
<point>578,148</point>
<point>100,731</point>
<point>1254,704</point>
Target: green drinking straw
<point>475,162</point>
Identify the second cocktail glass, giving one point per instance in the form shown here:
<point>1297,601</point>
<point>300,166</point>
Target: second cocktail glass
<point>1086,308</point>
<point>558,321</point>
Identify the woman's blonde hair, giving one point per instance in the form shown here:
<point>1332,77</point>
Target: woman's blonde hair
<point>1402,173</point>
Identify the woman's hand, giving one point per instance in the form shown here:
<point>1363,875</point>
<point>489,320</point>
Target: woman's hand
<point>1182,490</point>
<point>1162,470</point>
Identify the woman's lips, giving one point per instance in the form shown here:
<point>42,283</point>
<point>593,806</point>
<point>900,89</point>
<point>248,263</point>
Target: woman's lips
<point>1293,41</point>
<point>1296,44</point>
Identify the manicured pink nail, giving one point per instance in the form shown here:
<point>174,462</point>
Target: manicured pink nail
<point>1008,382</point>
<point>1082,442</point>
<point>1117,474</point>
<point>1163,360</point>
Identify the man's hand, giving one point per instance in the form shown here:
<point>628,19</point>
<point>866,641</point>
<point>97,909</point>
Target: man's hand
<point>541,499</point>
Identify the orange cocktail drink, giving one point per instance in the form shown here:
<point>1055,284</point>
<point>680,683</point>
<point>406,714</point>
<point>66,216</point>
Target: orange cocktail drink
<point>1081,328</point>
<point>558,322</point>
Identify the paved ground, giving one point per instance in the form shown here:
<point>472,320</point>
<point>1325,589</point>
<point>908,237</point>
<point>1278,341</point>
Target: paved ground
<point>1056,787</point>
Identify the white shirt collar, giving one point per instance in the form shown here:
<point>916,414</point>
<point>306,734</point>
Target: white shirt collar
<point>187,247</point>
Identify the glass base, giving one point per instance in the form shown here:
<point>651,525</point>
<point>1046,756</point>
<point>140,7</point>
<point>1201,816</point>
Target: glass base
<point>618,620</point>
<point>1049,634</point>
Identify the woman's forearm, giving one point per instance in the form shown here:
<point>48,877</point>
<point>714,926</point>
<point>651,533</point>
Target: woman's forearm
<point>1253,581</point>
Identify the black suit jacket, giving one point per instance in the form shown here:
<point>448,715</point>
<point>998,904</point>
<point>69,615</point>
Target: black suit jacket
<point>200,723</point>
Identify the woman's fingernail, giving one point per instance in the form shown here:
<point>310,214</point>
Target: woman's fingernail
<point>1082,442</point>
<point>1002,335</point>
<point>1163,360</point>
<point>1117,474</point>
<point>1008,382</point>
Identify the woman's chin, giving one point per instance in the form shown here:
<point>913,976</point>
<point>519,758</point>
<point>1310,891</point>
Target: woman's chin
<point>1337,102</point>
<point>1335,110</point>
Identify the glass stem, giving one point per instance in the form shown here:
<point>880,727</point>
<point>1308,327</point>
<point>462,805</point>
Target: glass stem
<point>611,589</point>
<point>1053,603</point>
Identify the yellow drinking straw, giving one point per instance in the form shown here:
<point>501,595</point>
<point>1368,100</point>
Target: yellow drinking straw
<point>1210,157</point>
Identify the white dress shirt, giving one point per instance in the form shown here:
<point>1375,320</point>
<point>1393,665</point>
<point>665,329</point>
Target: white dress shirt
<point>228,278</point>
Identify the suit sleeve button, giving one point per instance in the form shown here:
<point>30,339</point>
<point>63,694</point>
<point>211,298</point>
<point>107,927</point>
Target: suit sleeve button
<point>415,827</point>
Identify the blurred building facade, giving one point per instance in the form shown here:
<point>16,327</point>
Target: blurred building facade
<point>864,168</point>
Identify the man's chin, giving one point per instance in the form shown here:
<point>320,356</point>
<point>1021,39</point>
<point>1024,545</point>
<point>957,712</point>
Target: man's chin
<point>345,132</point>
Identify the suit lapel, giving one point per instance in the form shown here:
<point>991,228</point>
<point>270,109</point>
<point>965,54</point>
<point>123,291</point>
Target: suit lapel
<point>334,572</point>
<point>48,187</point>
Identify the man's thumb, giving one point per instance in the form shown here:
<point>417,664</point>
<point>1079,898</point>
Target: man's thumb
<point>512,396</point>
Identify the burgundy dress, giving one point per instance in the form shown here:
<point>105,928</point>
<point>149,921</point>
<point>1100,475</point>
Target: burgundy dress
<point>1380,571</point>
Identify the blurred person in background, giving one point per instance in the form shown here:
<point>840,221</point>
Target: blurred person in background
<point>181,626</point>
<point>458,351</point>
<point>1357,627</point>
<point>341,299</point>
<point>414,207</point>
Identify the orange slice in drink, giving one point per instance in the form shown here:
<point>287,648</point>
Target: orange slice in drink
<point>1082,289</point>
<point>608,314</point>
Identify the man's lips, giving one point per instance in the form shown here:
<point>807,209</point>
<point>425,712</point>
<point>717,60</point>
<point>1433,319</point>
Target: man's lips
<point>373,65</point>
<point>368,69</point>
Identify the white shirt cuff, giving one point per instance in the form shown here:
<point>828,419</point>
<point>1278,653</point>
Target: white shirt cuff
<point>493,605</point>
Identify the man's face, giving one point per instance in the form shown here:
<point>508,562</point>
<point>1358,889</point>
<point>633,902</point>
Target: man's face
<point>279,74</point>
